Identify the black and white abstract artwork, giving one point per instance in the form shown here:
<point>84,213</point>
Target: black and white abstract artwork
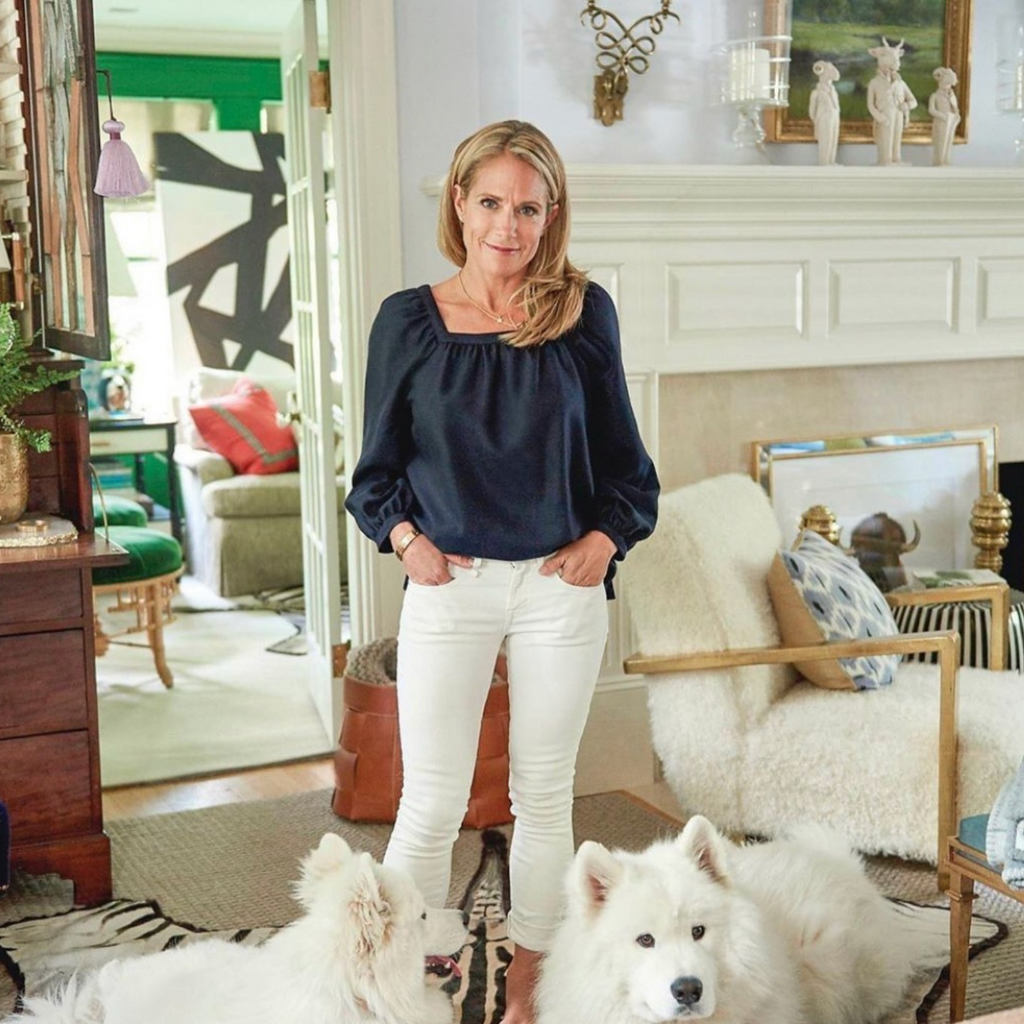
<point>222,197</point>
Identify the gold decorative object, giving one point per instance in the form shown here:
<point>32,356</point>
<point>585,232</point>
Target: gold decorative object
<point>619,52</point>
<point>31,526</point>
<point>821,519</point>
<point>13,478</point>
<point>990,529</point>
<point>37,530</point>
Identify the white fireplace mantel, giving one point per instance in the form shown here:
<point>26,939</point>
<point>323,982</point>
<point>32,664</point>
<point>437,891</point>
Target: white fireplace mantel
<point>738,268</point>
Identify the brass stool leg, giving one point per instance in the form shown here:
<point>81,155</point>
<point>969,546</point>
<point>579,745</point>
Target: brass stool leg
<point>155,629</point>
<point>961,898</point>
<point>102,641</point>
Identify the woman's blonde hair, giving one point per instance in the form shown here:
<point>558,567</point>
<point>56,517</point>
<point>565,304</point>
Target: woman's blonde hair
<point>552,294</point>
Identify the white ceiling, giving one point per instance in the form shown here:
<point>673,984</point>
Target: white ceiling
<point>243,27</point>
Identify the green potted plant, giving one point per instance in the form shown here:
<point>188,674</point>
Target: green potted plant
<point>19,378</point>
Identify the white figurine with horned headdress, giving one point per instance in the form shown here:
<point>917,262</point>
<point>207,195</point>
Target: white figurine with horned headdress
<point>945,114</point>
<point>823,109</point>
<point>890,102</point>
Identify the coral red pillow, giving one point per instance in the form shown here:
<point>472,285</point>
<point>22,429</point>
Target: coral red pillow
<point>242,427</point>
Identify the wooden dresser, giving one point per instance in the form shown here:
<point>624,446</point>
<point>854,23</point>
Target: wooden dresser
<point>49,751</point>
<point>49,742</point>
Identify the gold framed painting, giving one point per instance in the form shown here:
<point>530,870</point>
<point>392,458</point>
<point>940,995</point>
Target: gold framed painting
<point>936,33</point>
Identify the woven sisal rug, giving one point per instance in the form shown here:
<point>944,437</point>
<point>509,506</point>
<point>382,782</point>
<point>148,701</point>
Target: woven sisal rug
<point>227,869</point>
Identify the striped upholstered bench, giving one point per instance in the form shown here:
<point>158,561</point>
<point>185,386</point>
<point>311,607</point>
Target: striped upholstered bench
<point>973,621</point>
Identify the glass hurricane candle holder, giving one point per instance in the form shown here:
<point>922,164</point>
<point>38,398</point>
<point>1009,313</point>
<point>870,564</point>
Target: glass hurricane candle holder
<point>1010,72</point>
<point>751,72</point>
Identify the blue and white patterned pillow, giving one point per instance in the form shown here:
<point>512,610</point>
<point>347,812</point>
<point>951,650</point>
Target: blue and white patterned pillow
<point>842,603</point>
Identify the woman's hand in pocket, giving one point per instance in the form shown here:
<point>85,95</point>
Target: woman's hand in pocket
<point>423,562</point>
<point>584,562</point>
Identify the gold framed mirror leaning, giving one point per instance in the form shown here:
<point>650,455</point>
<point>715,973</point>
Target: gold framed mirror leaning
<point>921,513</point>
<point>920,491</point>
<point>933,35</point>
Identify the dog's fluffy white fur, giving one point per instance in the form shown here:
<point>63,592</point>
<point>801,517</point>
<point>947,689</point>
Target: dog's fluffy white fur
<point>356,956</point>
<point>698,928</point>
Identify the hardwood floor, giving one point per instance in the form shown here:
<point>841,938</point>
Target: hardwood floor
<point>237,787</point>
<point>265,784</point>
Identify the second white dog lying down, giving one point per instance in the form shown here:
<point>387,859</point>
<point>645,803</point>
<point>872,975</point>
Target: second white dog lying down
<point>356,956</point>
<point>697,928</point>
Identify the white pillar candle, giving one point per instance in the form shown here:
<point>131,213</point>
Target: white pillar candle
<point>749,74</point>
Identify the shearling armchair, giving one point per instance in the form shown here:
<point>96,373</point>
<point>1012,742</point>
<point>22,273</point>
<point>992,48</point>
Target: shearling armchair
<point>752,744</point>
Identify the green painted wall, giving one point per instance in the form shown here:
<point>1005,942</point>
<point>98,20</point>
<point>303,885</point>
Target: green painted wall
<point>237,86</point>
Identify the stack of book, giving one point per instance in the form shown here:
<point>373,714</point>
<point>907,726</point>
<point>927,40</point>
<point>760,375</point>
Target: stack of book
<point>114,477</point>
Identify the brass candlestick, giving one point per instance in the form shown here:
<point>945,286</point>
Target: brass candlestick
<point>990,529</point>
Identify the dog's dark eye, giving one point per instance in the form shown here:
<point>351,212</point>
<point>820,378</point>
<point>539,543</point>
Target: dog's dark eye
<point>697,931</point>
<point>646,940</point>
<point>423,916</point>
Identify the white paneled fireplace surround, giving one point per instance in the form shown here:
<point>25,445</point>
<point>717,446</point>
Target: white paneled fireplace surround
<point>777,302</point>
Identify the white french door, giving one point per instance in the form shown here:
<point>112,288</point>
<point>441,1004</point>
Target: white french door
<point>307,225</point>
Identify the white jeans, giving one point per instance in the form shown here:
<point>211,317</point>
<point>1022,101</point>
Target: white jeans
<point>448,640</point>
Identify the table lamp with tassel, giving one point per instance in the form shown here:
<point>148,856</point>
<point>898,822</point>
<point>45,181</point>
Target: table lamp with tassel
<point>118,175</point>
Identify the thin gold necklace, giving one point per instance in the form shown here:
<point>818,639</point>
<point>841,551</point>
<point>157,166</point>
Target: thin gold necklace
<point>498,318</point>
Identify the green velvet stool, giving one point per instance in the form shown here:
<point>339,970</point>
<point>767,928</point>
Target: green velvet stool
<point>144,586</point>
<point>120,511</point>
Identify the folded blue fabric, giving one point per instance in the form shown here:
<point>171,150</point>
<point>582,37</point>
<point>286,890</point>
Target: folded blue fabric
<point>1004,839</point>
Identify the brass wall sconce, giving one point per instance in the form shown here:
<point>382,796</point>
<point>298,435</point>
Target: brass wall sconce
<point>618,54</point>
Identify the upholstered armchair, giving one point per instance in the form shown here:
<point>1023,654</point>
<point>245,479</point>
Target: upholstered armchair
<point>243,530</point>
<point>749,741</point>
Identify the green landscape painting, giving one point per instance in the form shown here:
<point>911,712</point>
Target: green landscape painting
<point>842,31</point>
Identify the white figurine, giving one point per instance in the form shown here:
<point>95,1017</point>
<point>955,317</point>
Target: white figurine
<point>824,111</point>
<point>945,113</point>
<point>890,102</point>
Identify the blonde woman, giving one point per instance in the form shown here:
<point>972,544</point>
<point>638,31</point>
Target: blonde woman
<point>502,463</point>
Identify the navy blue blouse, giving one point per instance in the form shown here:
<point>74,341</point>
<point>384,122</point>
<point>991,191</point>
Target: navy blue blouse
<point>500,452</point>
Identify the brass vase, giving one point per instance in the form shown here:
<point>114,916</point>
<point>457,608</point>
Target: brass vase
<point>13,478</point>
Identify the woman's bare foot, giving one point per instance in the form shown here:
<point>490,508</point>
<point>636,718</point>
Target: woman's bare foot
<point>520,984</point>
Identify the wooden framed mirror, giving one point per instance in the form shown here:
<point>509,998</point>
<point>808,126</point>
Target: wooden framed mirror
<point>66,271</point>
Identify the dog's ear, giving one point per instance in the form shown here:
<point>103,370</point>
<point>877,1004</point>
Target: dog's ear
<point>329,854</point>
<point>370,908</point>
<point>332,852</point>
<point>701,843</point>
<point>595,872</point>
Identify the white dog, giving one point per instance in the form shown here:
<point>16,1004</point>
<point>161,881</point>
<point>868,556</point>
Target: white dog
<point>356,956</point>
<point>697,928</point>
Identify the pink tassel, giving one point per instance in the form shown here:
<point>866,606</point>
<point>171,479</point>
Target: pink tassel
<point>118,175</point>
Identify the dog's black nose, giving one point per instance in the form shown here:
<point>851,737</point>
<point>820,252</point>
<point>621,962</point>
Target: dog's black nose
<point>687,991</point>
